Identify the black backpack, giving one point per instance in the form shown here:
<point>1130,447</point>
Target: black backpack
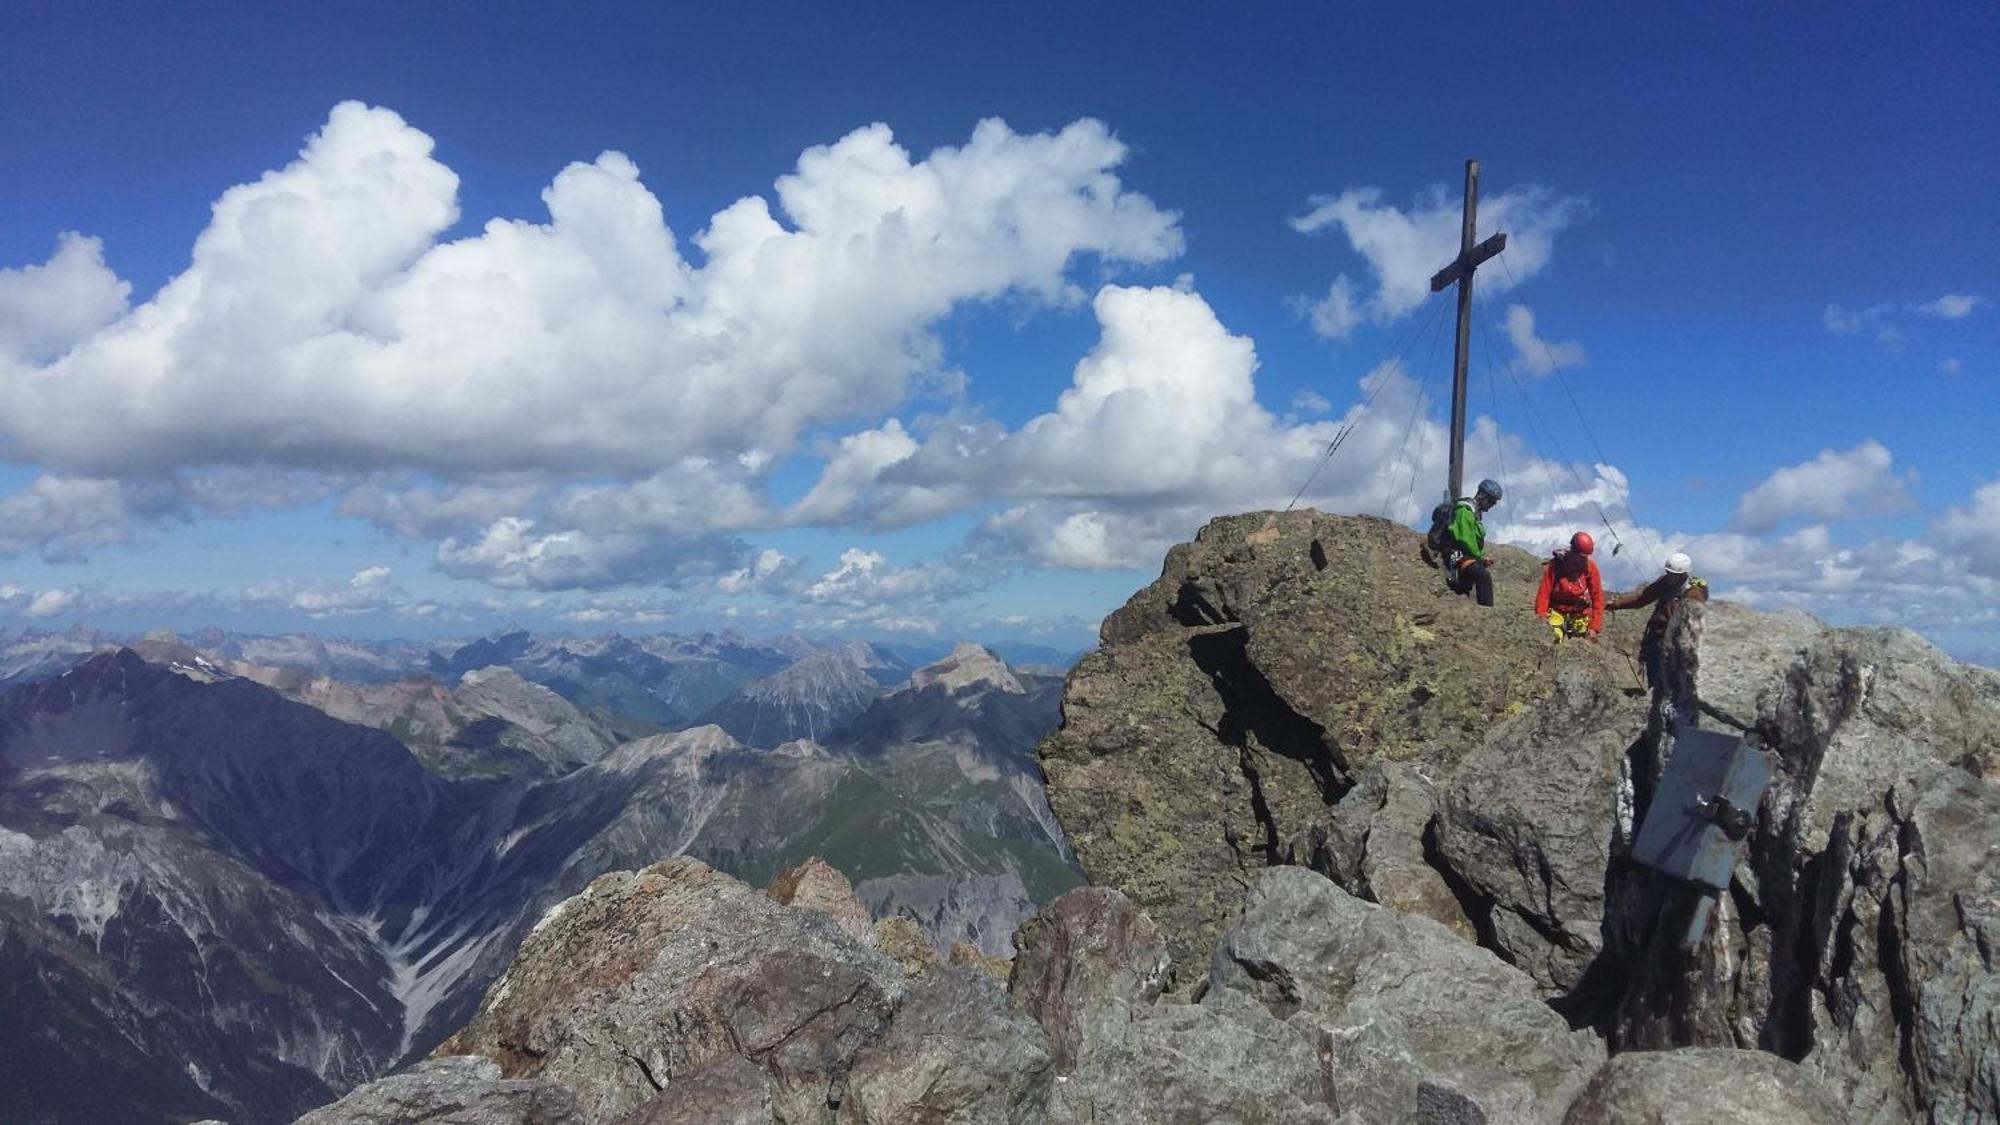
<point>1438,539</point>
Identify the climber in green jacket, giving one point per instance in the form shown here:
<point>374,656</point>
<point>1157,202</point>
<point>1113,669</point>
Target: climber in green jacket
<point>1465,552</point>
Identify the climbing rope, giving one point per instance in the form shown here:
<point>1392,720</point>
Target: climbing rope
<point>1340,435</point>
<point>1423,395</point>
<point>1624,494</point>
<point>1538,428</point>
<point>1409,427</point>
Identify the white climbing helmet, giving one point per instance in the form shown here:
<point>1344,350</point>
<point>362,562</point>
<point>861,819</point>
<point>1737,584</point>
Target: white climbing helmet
<point>1678,563</point>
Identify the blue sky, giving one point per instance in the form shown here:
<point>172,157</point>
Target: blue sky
<point>966,379</point>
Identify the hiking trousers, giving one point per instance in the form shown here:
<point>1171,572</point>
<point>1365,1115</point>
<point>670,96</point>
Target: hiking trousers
<point>1473,579</point>
<point>1569,623</point>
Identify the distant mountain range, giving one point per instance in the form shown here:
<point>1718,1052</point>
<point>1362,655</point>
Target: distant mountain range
<point>234,889</point>
<point>633,685</point>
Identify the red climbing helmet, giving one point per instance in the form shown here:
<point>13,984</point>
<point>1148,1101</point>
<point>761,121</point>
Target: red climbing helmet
<point>1582,543</point>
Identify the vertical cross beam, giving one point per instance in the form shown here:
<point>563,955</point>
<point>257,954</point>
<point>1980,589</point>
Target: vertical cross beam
<point>1460,272</point>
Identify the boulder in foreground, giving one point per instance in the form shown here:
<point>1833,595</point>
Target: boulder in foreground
<point>1703,1084</point>
<point>652,975</point>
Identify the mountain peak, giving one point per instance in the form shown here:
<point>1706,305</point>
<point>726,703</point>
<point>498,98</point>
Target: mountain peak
<point>968,666</point>
<point>694,743</point>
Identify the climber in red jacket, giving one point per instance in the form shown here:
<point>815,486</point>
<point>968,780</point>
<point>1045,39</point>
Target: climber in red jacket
<point>1571,598</point>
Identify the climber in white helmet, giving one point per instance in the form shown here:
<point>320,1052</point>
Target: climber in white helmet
<point>1676,584</point>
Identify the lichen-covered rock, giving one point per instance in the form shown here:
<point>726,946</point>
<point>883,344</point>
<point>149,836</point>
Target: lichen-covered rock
<point>965,955</point>
<point>1089,946</point>
<point>1699,1085</point>
<point>901,940</point>
<point>954,1053</point>
<point>815,885</point>
<point>1235,700</point>
<point>453,1091</point>
<point>1410,1013</point>
<point>647,976</point>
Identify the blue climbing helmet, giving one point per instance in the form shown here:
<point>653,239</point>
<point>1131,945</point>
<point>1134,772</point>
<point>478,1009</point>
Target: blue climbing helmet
<point>1490,488</point>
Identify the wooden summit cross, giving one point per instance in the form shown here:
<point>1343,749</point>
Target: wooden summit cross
<point>1460,271</point>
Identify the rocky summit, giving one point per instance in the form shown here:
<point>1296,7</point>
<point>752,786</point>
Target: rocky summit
<point>1298,689</point>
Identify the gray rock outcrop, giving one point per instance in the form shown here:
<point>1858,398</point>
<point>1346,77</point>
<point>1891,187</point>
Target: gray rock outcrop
<point>955,1052</point>
<point>679,994</point>
<point>815,885</point>
<point>1525,824</point>
<point>1193,1064</point>
<point>1856,936</point>
<point>1701,1085</point>
<point>453,1091</point>
<point>647,976</point>
<point>1412,1014</point>
<point>1376,843</point>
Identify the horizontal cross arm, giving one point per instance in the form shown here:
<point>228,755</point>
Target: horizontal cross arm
<point>1465,263</point>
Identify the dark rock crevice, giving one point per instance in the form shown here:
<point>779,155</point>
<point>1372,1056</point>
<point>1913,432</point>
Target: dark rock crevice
<point>1260,807</point>
<point>1192,608</point>
<point>1255,713</point>
<point>1817,949</point>
<point>1902,1000</point>
<point>1476,905</point>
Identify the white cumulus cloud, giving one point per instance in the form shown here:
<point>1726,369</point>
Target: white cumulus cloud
<point>368,590</point>
<point>1837,484</point>
<point>1160,429</point>
<point>322,322</point>
<point>65,518</point>
<point>45,310</point>
<point>515,553</point>
<point>1403,248</point>
<point>1533,354</point>
<point>585,375</point>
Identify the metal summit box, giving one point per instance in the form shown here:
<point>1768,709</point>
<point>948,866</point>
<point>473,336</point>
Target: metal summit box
<point>1688,832</point>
